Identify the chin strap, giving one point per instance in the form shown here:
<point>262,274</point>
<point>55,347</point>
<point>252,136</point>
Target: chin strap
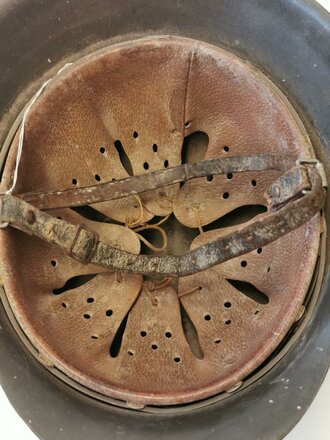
<point>292,199</point>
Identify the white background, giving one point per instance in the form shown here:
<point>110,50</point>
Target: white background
<point>315,424</point>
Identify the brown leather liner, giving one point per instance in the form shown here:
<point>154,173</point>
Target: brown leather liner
<point>153,87</point>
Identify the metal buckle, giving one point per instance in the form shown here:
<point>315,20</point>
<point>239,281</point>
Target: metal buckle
<point>95,240</point>
<point>319,166</point>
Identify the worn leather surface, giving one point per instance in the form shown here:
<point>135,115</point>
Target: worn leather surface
<point>153,87</point>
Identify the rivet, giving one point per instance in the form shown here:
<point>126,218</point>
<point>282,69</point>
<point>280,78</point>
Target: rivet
<point>45,360</point>
<point>300,313</point>
<point>277,191</point>
<point>234,387</point>
<point>135,405</point>
<point>30,217</point>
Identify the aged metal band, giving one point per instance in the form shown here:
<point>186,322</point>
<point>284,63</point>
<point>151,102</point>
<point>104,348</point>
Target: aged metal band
<point>158,179</point>
<point>304,190</point>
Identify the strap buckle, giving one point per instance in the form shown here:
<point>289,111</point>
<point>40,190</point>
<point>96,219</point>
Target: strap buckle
<point>87,244</point>
<point>319,166</point>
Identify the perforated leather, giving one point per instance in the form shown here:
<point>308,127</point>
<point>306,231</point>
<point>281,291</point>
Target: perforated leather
<point>121,334</point>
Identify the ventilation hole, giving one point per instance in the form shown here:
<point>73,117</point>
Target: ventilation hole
<point>117,340</point>
<point>243,263</point>
<point>194,147</point>
<point>97,177</point>
<point>177,359</point>
<point>268,270</point>
<point>230,176</point>
<point>207,318</point>
<point>225,195</point>
<point>250,291</point>
<point>74,181</point>
<point>236,217</point>
<point>187,123</point>
<point>143,334</point>
<point>124,159</point>
<point>146,165</point>
<point>135,135</point>
<point>166,163</point>
<point>190,333</point>
<point>90,300</point>
<point>64,305</point>
<point>217,341</point>
<point>155,148</point>
<point>109,312</point>
<point>94,337</point>
<point>154,346</point>
<point>256,312</point>
<point>259,250</point>
<point>87,316</point>
<point>53,263</point>
<point>228,322</point>
<point>226,148</point>
<point>73,283</point>
<point>168,334</point>
<point>253,183</point>
<point>130,353</point>
<point>209,178</point>
<point>102,150</point>
<point>227,305</point>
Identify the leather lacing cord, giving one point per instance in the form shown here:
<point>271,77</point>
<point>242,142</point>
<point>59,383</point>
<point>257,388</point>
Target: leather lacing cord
<point>151,286</point>
<point>130,223</point>
<point>133,224</point>
<point>156,227</point>
<point>189,291</point>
